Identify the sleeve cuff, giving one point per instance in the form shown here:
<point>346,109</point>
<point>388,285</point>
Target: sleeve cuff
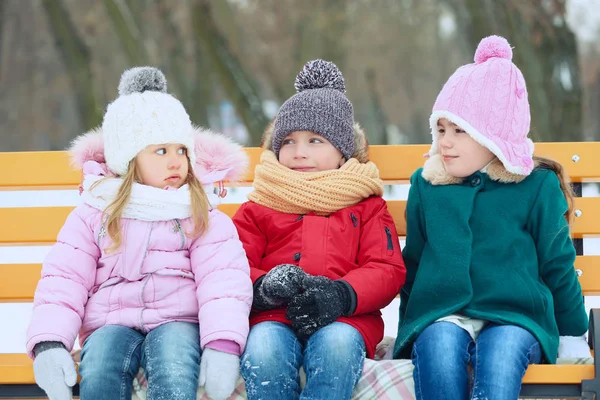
<point>352,298</point>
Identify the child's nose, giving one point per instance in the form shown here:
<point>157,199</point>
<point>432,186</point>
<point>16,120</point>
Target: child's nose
<point>301,151</point>
<point>445,141</point>
<point>174,163</point>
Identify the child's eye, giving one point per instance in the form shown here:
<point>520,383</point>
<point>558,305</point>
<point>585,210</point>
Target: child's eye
<point>458,130</point>
<point>287,141</point>
<point>316,140</point>
<point>161,151</point>
<point>181,151</point>
<point>441,131</point>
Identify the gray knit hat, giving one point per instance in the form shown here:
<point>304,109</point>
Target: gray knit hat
<point>320,106</point>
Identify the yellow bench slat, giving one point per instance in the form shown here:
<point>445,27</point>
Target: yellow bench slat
<point>18,369</point>
<point>395,163</point>
<point>590,277</point>
<point>18,281</point>
<point>37,168</point>
<point>41,224</point>
<point>558,374</point>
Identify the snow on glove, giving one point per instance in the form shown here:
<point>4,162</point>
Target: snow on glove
<point>278,286</point>
<point>323,302</point>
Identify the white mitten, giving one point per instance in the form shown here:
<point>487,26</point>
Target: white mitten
<point>573,347</point>
<point>389,353</point>
<point>219,372</point>
<point>54,371</point>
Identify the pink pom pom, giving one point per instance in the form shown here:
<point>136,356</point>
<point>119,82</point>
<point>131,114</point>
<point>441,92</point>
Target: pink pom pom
<point>493,46</point>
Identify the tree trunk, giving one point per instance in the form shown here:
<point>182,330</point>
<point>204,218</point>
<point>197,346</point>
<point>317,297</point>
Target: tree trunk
<point>2,7</point>
<point>380,120</point>
<point>186,89</point>
<point>75,55</point>
<point>127,31</point>
<point>233,78</point>
<point>202,96</point>
<point>333,32</point>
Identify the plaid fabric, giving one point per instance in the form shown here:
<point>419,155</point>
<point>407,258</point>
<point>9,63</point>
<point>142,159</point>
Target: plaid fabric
<point>381,379</point>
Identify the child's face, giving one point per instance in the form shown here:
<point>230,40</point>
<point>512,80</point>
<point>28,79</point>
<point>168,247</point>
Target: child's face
<point>461,154</point>
<point>163,165</point>
<point>307,151</point>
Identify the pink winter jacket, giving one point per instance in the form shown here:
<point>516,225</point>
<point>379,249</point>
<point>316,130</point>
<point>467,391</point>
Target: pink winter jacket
<point>158,275</point>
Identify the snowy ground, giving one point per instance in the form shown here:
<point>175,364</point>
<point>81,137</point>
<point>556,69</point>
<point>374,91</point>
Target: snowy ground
<point>15,317</point>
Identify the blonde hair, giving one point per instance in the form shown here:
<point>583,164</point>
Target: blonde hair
<point>114,211</point>
<point>563,178</point>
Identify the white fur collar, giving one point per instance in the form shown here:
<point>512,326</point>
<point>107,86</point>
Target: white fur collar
<point>435,173</point>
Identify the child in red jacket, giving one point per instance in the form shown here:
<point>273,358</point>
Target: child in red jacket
<point>322,247</point>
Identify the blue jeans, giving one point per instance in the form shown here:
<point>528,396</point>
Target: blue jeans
<point>332,359</point>
<point>498,358</point>
<point>112,355</point>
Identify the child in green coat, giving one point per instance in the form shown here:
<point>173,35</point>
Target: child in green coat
<point>490,279</point>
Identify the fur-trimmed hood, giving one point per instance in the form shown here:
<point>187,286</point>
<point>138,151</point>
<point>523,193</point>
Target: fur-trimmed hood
<point>218,158</point>
<point>435,173</point>
<point>361,144</point>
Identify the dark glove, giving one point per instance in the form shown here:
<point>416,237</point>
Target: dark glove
<point>278,287</point>
<point>323,302</point>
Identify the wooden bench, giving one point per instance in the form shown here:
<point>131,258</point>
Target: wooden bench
<point>42,171</point>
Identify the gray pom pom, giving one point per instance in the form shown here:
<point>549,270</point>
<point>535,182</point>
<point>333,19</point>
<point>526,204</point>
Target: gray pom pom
<point>319,74</point>
<point>140,79</point>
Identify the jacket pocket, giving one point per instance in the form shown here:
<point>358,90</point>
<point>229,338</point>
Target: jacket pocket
<point>536,302</point>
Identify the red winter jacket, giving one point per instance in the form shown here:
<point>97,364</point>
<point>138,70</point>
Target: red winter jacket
<point>358,244</point>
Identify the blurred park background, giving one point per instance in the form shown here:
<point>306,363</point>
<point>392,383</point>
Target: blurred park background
<point>233,62</point>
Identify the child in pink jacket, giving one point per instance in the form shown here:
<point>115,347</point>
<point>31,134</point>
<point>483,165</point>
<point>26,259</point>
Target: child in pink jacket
<point>146,270</point>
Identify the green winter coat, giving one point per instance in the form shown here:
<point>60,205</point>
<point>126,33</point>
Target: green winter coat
<point>494,246</point>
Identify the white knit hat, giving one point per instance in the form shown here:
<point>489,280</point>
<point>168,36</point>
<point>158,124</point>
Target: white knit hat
<point>144,114</point>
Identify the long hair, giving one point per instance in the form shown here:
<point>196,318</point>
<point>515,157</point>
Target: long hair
<point>114,211</point>
<point>563,178</point>
<point>200,205</point>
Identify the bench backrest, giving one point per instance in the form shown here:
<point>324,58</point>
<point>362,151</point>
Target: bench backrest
<point>39,171</point>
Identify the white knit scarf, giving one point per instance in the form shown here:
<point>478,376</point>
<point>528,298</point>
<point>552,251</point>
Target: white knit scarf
<point>146,203</point>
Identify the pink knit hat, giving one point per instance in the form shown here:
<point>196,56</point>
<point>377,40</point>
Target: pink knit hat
<point>488,99</point>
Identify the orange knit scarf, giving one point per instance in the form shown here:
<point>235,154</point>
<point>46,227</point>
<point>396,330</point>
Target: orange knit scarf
<point>322,192</point>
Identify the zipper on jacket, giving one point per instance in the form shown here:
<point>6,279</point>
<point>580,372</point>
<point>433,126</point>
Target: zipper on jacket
<point>354,219</point>
<point>146,278</point>
<point>176,229</point>
<point>146,250</point>
<point>390,244</point>
<point>101,234</point>
<point>143,302</point>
